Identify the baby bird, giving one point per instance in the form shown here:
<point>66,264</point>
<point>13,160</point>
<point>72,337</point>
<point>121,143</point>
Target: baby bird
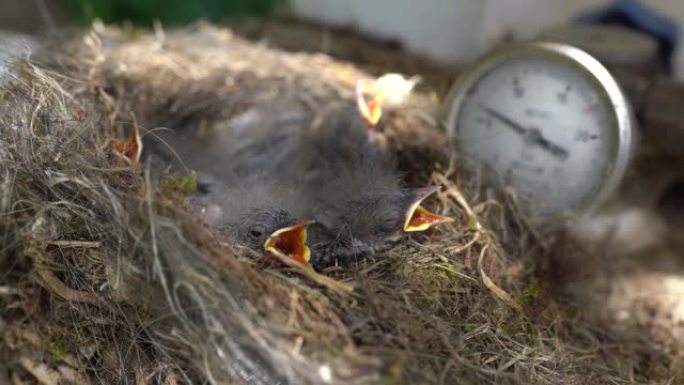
<point>356,197</point>
<point>239,191</point>
<point>369,223</point>
<point>261,140</point>
<point>361,201</point>
<point>258,212</point>
<point>273,168</point>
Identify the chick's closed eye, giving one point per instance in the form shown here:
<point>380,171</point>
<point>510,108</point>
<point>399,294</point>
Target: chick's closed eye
<point>387,222</point>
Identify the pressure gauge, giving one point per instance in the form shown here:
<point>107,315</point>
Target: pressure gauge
<point>547,120</point>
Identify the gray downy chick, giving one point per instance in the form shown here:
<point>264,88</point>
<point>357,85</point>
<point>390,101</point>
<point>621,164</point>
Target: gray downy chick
<point>333,170</point>
<point>344,182</point>
<point>259,212</point>
<point>261,140</point>
<point>241,191</point>
<point>365,214</point>
<point>360,205</point>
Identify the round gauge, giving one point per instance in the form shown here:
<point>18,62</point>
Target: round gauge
<point>548,120</point>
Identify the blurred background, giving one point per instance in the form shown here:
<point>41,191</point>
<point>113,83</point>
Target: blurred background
<point>444,31</point>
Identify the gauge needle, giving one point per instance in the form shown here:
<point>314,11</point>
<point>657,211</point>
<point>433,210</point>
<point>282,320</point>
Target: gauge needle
<point>532,135</point>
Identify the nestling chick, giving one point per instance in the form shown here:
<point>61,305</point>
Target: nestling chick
<point>272,173</point>
<point>359,203</point>
<point>261,140</point>
<point>258,213</point>
<point>355,224</point>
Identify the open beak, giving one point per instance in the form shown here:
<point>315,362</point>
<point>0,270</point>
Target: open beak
<point>131,148</point>
<point>418,218</point>
<point>289,244</point>
<point>370,111</point>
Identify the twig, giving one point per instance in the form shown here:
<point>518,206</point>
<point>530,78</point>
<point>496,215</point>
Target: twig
<point>52,283</point>
<point>6,290</point>
<point>323,280</point>
<point>41,372</point>
<point>493,287</point>
<point>76,244</point>
<point>488,282</point>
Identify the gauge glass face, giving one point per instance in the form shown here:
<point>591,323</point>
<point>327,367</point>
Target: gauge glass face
<point>543,127</point>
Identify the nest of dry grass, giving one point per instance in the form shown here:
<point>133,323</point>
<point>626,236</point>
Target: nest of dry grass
<point>107,279</point>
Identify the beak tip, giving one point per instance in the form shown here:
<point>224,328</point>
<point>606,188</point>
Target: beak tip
<point>418,218</point>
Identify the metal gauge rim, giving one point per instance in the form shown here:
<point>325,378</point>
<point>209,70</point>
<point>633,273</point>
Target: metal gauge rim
<point>622,119</point>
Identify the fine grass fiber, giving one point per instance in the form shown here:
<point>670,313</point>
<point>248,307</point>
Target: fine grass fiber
<point>107,278</point>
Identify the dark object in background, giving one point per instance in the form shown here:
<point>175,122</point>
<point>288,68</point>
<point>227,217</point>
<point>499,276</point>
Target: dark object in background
<point>616,47</point>
<point>662,118</point>
<point>630,55</point>
<point>671,204</point>
<point>635,15</point>
<point>31,16</point>
<point>637,45</point>
<point>144,12</point>
<point>632,58</point>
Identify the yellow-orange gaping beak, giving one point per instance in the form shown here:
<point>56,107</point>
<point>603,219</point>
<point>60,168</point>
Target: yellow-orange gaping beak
<point>370,111</point>
<point>418,218</point>
<point>131,148</point>
<point>391,90</point>
<point>289,244</point>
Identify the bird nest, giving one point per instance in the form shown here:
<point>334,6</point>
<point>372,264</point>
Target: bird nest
<point>107,278</point>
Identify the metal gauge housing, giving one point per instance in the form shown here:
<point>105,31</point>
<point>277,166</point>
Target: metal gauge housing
<point>548,120</point>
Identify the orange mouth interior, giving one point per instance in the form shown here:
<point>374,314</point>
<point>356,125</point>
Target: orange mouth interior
<point>418,218</point>
<point>131,149</point>
<point>290,244</point>
<point>370,111</point>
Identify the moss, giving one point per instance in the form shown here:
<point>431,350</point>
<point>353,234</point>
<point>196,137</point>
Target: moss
<point>532,292</point>
<point>184,184</point>
<point>57,349</point>
<point>472,224</point>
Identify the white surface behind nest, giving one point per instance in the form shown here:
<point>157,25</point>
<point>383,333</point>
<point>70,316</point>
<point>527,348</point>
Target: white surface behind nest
<point>457,31</point>
<point>623,230</point>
